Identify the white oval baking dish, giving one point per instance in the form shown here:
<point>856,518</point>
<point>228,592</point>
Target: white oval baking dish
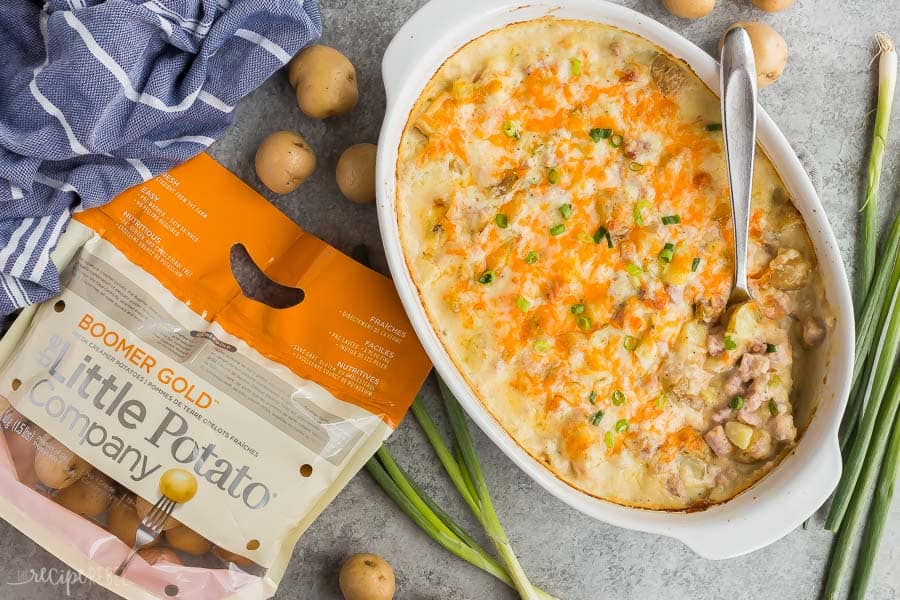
<point>780,501</point>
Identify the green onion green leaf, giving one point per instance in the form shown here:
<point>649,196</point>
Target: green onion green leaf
<point>598,134</point>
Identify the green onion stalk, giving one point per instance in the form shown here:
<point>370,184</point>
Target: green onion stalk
<point>478,488</point>
<point>465,473</point>
<point>850,524</point>
<point>881,504</point>
<point>870,426</point>
<point>887,81</point>
<point>866,325</point>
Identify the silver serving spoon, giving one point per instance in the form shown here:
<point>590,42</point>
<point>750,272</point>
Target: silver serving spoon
<point>738,94</point>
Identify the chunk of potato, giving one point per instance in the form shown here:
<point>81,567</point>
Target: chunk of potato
<point>738,434</point>
<point>789,270</point>
<point>743,323</point>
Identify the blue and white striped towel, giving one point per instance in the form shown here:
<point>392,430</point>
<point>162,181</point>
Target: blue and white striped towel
<point>99,95</point>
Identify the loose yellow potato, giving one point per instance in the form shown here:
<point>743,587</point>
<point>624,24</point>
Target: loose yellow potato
<point>241,561</point>
<point>356,173</point>
<point>122,520</point>
<point>367,577</point>
<point>773,5</point>
<point>143,508</point>
<point>178,485</point>
<point>769,49</point>
<point>325,81</point>
<point>55,465</point>
<point>689,9</point>
<point>187,540</point>
<point>155,556</point>
<point>283,161</point>
<point>90,495</point>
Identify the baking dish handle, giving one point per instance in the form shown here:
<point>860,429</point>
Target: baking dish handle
<point>417,37</point>
<point>783,513</point>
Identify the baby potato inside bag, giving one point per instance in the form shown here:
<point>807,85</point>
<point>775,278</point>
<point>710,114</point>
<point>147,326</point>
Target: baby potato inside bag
<point>152,358</point>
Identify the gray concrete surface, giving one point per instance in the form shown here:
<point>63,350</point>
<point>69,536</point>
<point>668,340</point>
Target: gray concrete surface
<point>821,103</point>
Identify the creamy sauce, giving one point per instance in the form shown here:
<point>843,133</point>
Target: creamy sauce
<point>564,211</point>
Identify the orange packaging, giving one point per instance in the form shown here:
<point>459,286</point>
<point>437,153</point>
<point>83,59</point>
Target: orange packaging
<point>153,358</point>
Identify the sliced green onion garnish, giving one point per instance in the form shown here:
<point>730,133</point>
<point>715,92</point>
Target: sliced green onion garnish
<point>714,127</point>
<point>773,407</point>
<point>583,322</point>
<point>737,403</point>
<point>630,343</point>
<point>609,439</point>
<point>553,175</point>
<point>671,220</point>
<point>523,304</point>
<point>542,345</point>
<point>635,166</point>
<point>501,220</point>
<point>618,398</point>
<point>576,66</point>
<point>600,234</point>
<point>558,229</point>
<point>730,344</point>
<point>486,277</point>
<point>577,309</point>
<point>634,270</point>
<point>510,130</point>
<point>770,348</point>
<point>531,258</point>
<point>667,253</point>
<point>592,397</point>
<point>695,264</point>
<point>662,400</point>
<point>616,140</point>
<point>622,425</point>
<point>566,211</point>
<point>596,417</point>
<point>598,134</point>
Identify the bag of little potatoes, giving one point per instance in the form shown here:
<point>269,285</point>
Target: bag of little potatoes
<point>156,380</point>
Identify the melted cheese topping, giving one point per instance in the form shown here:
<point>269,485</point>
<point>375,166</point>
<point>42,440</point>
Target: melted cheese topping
<point>564,210</point>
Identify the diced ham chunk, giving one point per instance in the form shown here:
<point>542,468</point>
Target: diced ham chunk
<point>761,446</point>
<point>715,342</point>
<point>813,332</point>
<point>758,347</point>
<point>782,356</point>
<point>722,415</point>
<point>710,310</point>
<point>750,417</point>
<point>756,393</point>
<point>733,384</point>
<point>718,441</point>
<point>783,428</point>
<point>753,365</point>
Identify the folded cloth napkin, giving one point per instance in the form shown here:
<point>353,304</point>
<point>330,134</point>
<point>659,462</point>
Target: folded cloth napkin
<point>99,95</point>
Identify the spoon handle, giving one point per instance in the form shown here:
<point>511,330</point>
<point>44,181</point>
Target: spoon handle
<point>738,93</point>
